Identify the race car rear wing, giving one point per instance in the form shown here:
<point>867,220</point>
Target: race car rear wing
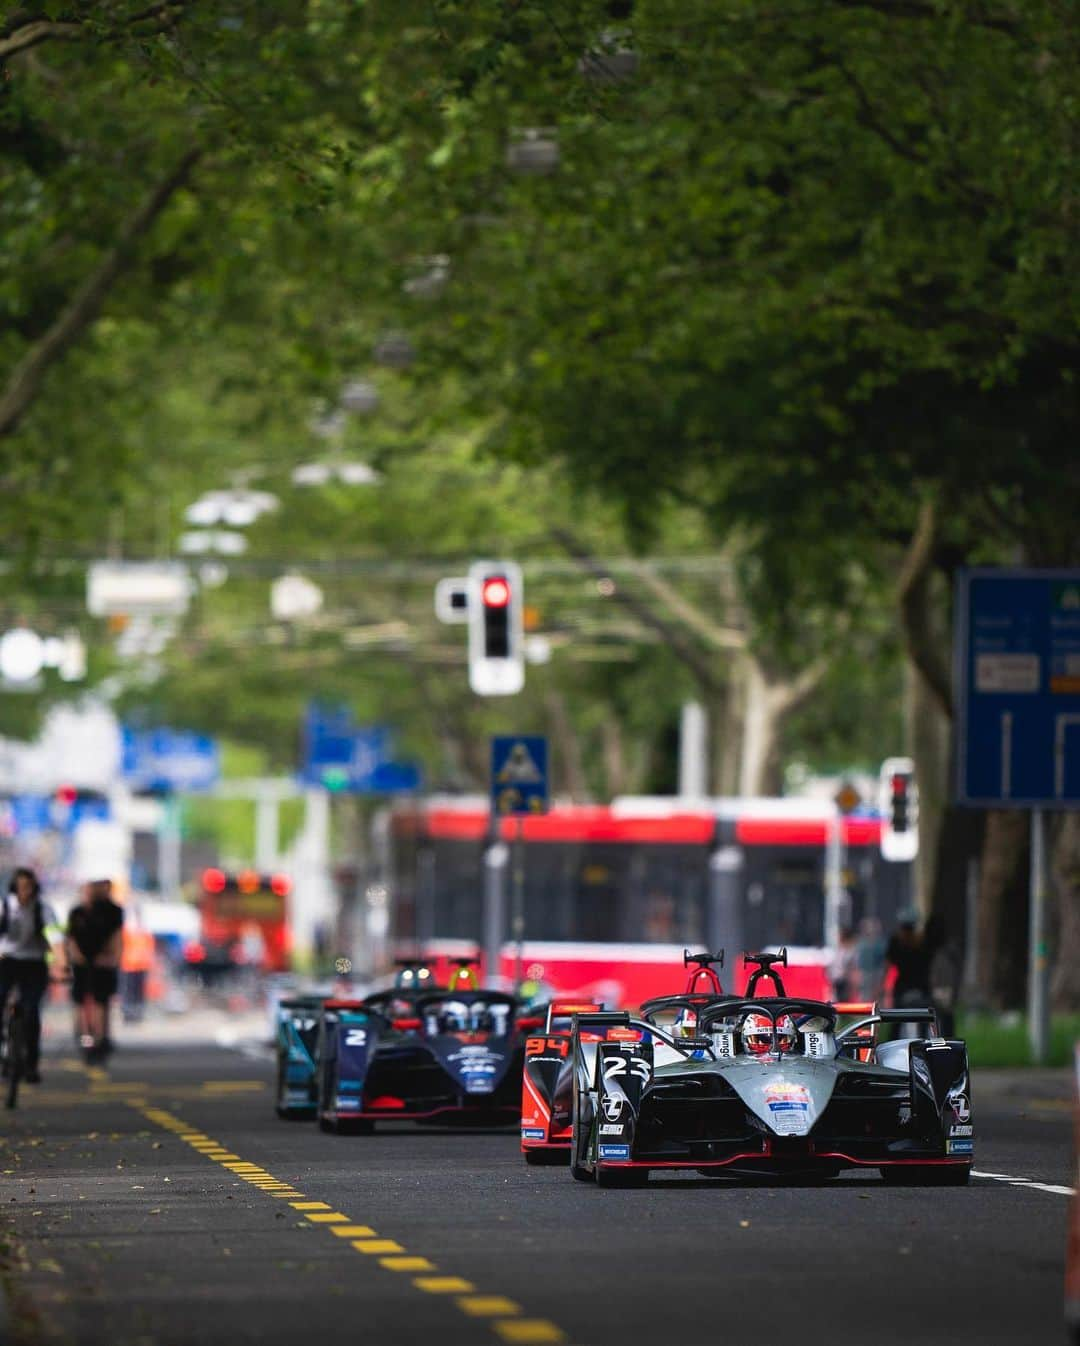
<point>855,1035</point>
<point>623,1019</point>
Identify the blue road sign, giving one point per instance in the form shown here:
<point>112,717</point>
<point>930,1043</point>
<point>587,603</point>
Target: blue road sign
<point>342,756</point>
<point>519,774</point>
<point>169,759</point>
<point>1018,688</point>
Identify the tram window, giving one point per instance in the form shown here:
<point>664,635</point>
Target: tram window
<point>785,898</point>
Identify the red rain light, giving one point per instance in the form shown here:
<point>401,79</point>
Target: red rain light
<point>495,592</point>
<point>194,953</point>
<point>213,880</point>
<point>281,884</point>
<point>899,786</point>
<point>67,794</point>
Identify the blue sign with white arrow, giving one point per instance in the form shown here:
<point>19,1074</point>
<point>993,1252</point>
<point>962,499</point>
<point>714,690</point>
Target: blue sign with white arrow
<point>342,756</point>
<point>1018,688</point>
<point>165,760</point>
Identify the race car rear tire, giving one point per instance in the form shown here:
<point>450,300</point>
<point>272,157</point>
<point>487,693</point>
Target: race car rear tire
<point>622,1177</point>
<point>577,1170</point>
<point>357,1126</point>
<point>328,1125</point>
<point>927,1175</point>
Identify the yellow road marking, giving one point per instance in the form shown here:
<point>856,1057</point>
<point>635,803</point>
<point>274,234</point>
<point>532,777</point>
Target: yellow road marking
<point>528,1330</point>
<point>233,1086</point>
<point>503,1312</point>
<point>487,1306</point>
<point>406,1264</point>
<point>444,1285</point>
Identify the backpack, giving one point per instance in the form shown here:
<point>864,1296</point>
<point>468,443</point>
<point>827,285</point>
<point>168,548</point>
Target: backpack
<point>39,917</point>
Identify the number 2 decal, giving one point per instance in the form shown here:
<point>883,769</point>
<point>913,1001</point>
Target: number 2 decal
<point>355,1037</point>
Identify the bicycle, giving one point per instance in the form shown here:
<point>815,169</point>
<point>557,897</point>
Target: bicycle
<point>14,1047</point>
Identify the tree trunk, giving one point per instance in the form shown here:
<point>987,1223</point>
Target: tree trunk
<point>614,758</point>
<point>725,739</point>
<point>1003,905</point>
<point>929,735</point>
<point>759,731</point>
<point>1065,983</point>
<point>85,305</point>
<point>568,747</point>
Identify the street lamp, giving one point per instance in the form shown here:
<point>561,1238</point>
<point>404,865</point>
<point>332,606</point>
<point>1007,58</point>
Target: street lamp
<point>349,473</point>
<point>22,655</point>
<point>235,508</point>
<point>360,397</point>
<point>213,540</point>
<point>533,151</point>
<point>395,350</point>
<point>294,597</point>
<point>611,60</point>
<point>430,279</point>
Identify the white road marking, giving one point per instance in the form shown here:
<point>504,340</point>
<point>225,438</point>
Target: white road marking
<point>1055,1188</point>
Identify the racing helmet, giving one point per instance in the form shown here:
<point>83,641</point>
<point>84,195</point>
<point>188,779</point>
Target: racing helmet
<point>757,1034</point>
<point>685,1025</point>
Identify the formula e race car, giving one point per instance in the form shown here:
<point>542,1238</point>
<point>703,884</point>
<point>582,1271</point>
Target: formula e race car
<point>546,1082</point>
<point>768,1086</point>
<point>546,1085</point>
<point>296,1040</point>
<point>454,1060</point>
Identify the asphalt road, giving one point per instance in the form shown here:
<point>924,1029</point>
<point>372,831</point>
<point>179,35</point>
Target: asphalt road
<point>127,1222</point>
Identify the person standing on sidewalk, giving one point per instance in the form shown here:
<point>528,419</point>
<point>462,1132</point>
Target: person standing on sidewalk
<point>26,922</point>
<point>94,941</point>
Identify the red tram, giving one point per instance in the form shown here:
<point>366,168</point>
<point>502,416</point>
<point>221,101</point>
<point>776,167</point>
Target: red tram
<point>614,893</point>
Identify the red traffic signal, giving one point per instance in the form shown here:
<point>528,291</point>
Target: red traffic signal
<point>495,592</point>
<point>213,880</point>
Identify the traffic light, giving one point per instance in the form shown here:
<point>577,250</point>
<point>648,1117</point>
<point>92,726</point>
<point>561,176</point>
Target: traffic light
<point>496,656</point>
<point>898,804</point>
<point>898,808</point>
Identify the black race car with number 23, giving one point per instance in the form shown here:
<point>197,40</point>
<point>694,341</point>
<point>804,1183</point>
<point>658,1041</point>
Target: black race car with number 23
<point>766,1085</point>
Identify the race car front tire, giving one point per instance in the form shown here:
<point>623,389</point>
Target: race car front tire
<point>927,1175</point>
<point>546,1158</point>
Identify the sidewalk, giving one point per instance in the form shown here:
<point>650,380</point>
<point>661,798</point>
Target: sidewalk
<point>198,1025</point>
<point>1024,1082</point>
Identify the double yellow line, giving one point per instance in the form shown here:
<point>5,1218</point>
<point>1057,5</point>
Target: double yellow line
<point>504,1315</point>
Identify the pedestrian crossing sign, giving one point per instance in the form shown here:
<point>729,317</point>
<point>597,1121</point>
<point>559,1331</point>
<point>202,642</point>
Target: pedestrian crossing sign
<point>519,775</point>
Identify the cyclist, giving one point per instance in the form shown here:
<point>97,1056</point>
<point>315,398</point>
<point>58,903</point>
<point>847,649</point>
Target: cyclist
<point>25,925</point>
<point>94,941</point>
